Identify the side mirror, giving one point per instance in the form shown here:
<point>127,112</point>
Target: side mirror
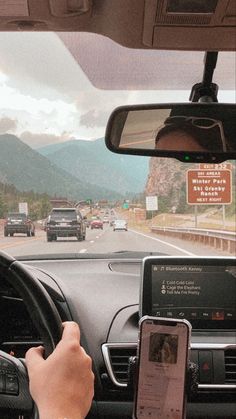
<point>189,132</point>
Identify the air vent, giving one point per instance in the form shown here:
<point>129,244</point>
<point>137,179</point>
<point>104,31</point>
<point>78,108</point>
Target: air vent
<point>116,357</point>
<point>230,366</point>
<point>119,362</point>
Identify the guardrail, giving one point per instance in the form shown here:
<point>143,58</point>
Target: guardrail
<point>219,239</point>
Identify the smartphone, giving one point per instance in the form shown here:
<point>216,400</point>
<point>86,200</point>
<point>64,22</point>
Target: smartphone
<point>163,353</point>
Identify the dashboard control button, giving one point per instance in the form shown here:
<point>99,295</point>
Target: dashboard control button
<point>3,364</point>
<point>12,386</point>
<point>6,365</point>
<point>218,315</point>
<point>206,314</point>
<point>205,367</point>
<point>230,315</point>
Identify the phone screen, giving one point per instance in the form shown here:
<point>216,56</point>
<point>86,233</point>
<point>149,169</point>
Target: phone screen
<point>162,367</point>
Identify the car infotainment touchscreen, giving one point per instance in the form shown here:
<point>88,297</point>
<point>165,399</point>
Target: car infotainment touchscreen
<point>201,290</point>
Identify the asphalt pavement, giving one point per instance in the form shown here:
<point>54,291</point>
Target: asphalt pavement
<point>103,241</point>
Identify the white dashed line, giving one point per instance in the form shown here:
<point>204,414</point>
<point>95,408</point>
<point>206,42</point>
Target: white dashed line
<point>91,241</point>
<point>97,237</point>
<point>83,251</point>
<point>163,242</point>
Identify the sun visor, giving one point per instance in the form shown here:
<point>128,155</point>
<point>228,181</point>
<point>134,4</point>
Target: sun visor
<point>111,66</point>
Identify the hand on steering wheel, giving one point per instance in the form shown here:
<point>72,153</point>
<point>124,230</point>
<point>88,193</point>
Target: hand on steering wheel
<point>14,384</point>
<point>62,385</point>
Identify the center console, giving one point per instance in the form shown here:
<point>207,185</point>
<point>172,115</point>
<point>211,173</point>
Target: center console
<point>200,290</point>
<point>203,291</point>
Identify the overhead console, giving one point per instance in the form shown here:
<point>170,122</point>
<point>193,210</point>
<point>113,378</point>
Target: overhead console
<point>196,25</point>
<point>201,290</point>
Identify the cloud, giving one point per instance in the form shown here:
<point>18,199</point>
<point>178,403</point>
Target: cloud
<point>8,125</point>
<point>96,106</point>
<point>37,140</point>
<point>94,118</point>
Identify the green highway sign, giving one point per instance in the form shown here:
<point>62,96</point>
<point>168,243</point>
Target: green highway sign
<point>125,205</point>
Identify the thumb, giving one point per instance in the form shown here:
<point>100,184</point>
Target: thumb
<point>34,357</point>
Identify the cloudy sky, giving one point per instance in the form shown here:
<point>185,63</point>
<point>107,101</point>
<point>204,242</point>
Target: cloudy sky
<point>46,97</point>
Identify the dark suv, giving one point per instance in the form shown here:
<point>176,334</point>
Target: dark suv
<point>17,222</point>
<point>65,222</point>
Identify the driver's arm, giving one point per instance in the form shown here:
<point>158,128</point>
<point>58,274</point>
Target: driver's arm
<point>62,386</point>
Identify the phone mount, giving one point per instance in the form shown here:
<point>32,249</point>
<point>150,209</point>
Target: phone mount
<point>191,385</point>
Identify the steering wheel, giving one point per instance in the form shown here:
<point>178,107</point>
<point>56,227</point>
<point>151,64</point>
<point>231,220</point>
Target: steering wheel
<point>14,384</point>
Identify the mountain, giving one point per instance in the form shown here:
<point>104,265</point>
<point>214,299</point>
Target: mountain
<point>28,170</point>
<point>167,180</point>
<point>86,160</point>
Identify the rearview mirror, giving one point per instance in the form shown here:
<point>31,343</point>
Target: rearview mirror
<point>189,132</point>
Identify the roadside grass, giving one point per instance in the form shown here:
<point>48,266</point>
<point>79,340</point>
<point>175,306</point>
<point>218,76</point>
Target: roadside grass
<point>177,220</point>
<point>218,216</point>
<point>212,226</point>
<point>170,220</point>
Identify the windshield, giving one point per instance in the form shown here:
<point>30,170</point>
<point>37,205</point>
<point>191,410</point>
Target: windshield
<point>67,215</point>
<point>17,216</point>
<point>56,94</point>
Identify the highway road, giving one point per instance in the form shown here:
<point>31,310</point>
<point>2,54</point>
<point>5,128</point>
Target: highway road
<point>103,241</point>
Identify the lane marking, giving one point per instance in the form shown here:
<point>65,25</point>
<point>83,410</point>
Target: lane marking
<point>97,237</point>
<point>18,243</point>
<point>91,241</point>
<point>163,242</point>
<point>83,251</point>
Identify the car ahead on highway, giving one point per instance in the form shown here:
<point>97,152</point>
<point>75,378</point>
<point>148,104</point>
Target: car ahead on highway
<point>105,220</point>
<point>96,223</point>
<point>17,222</point>
<point>120,225</point>
<point>57,92</point>
<point>65,222</point>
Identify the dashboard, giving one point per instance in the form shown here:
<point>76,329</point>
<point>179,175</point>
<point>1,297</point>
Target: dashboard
<point>103,296</point>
